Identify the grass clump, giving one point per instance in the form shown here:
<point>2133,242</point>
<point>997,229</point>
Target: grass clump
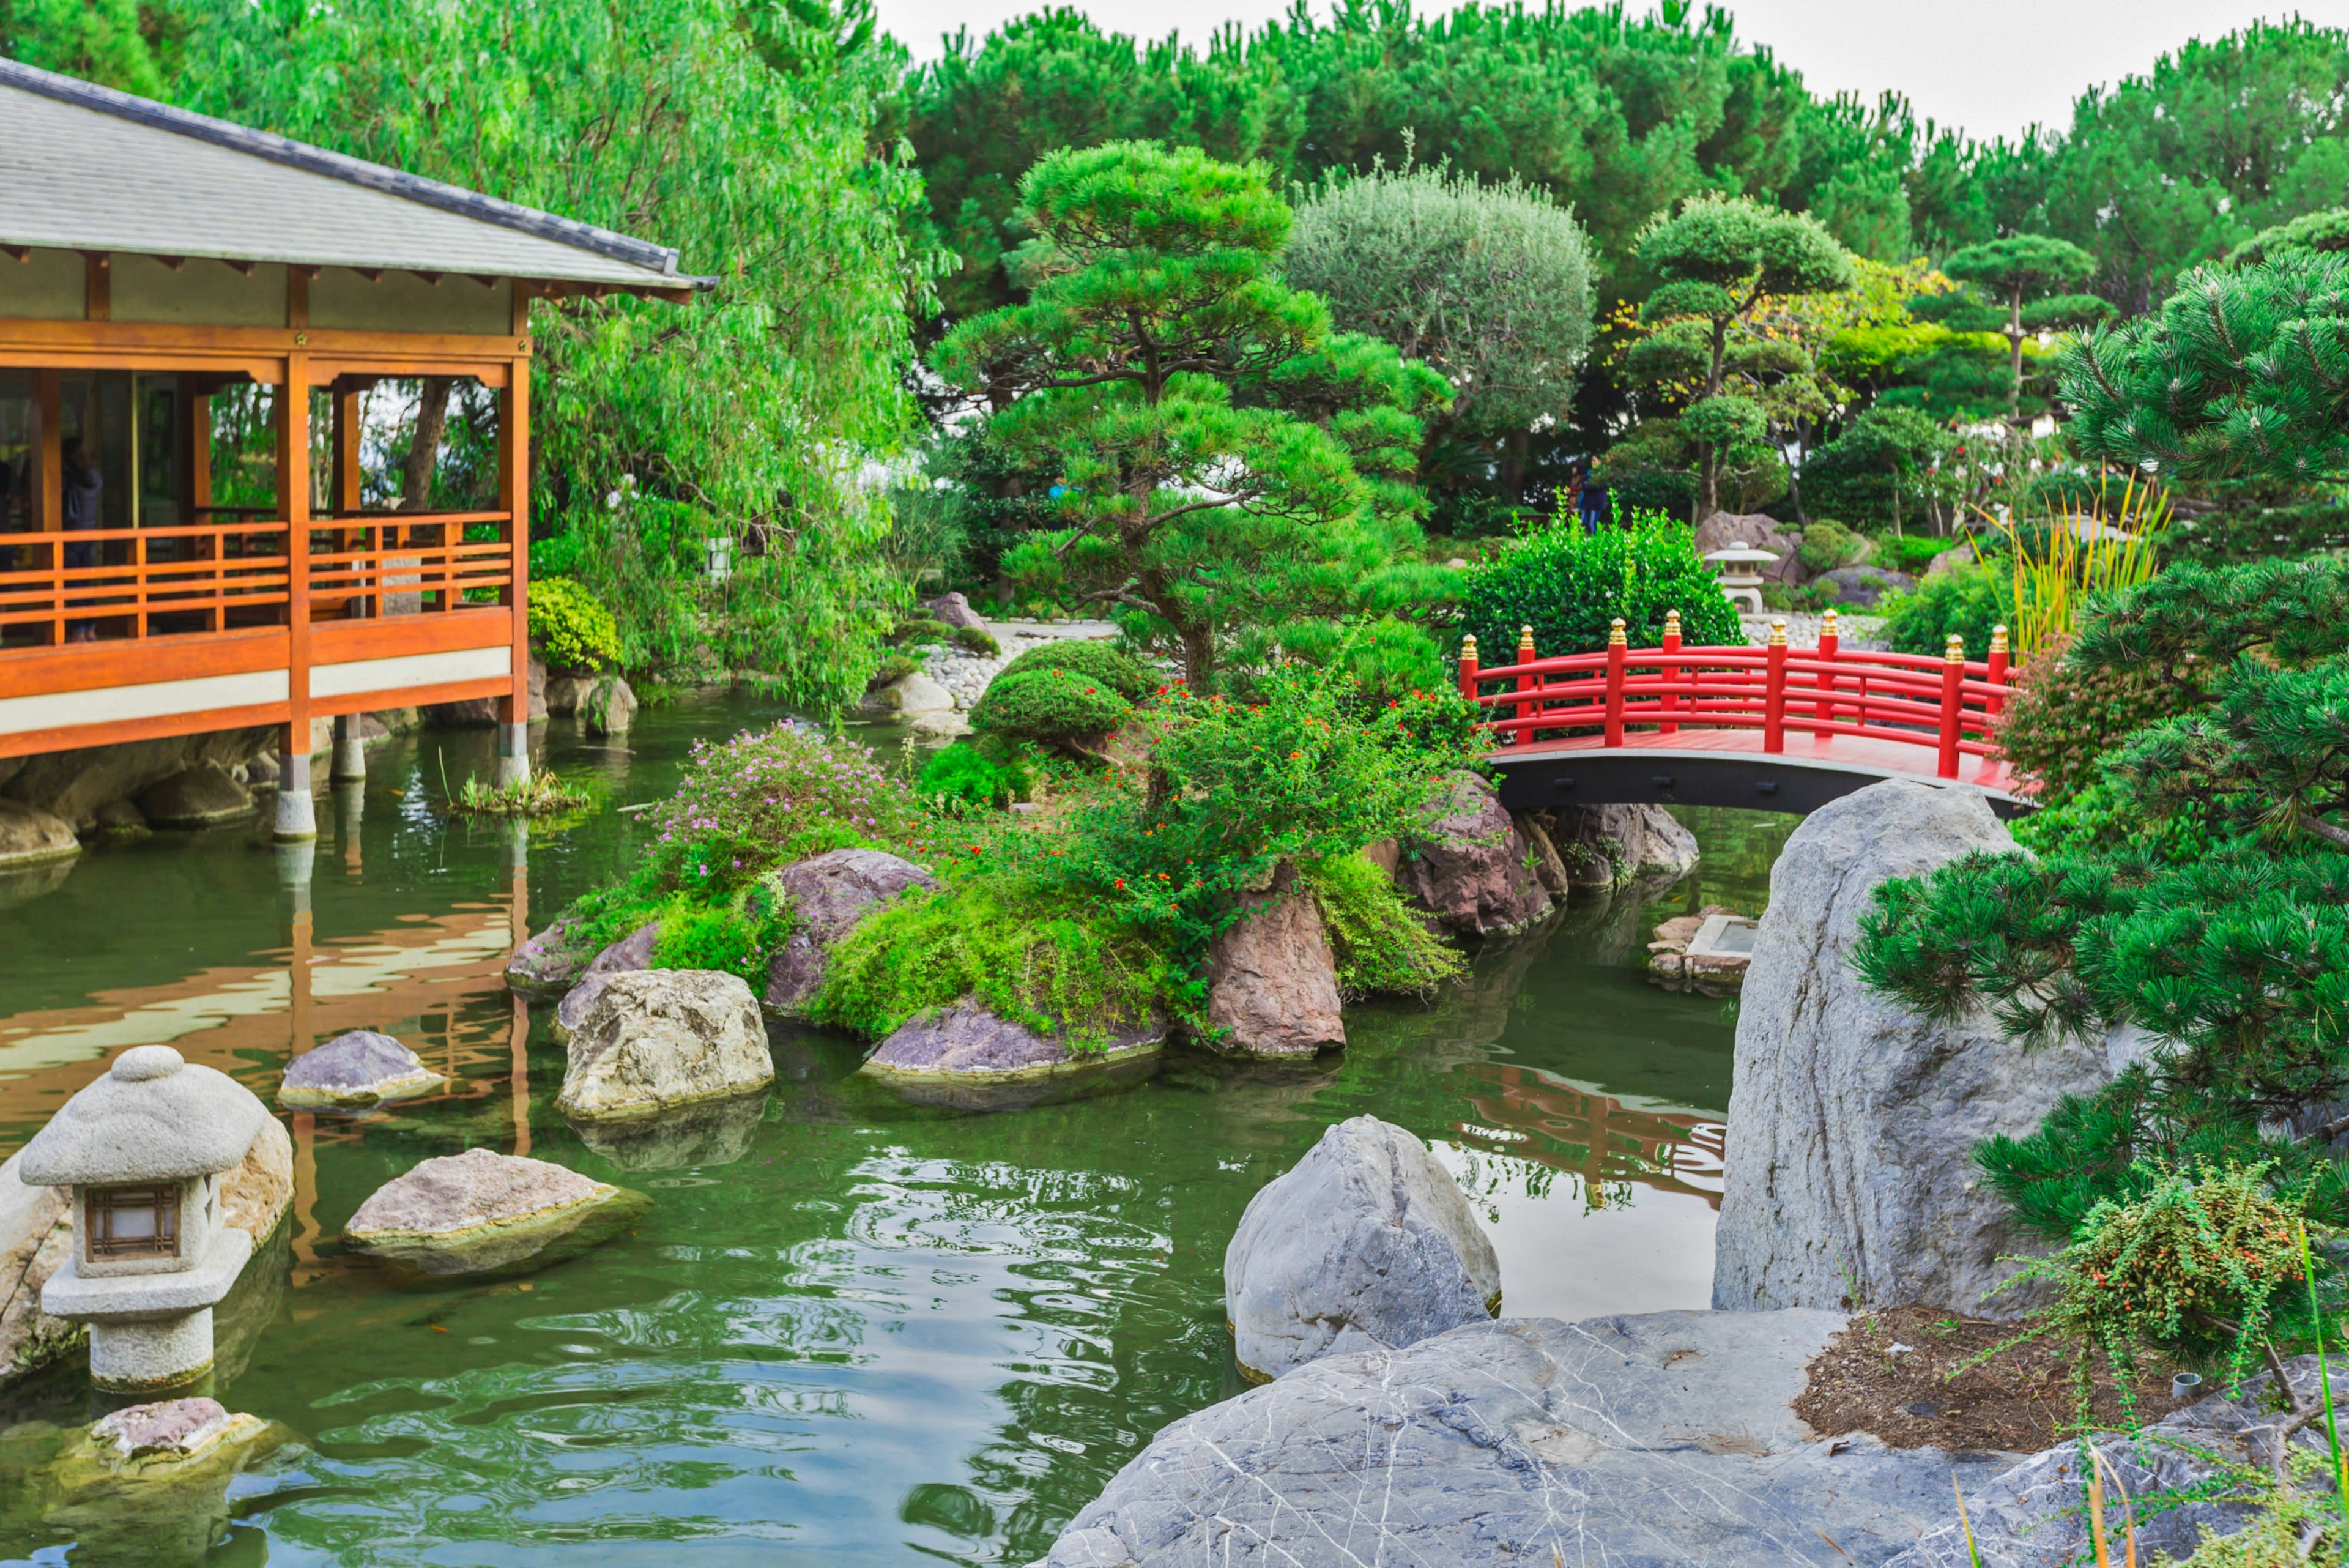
<point>1044,961</point>
<point>976,640</point>
<point>968,778</point>
<point>541,794</point>
<point>1382,948</point>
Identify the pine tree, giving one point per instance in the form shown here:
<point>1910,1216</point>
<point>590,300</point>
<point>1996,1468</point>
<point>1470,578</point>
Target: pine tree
<point>1224,457</point>
<point>2022,278</point>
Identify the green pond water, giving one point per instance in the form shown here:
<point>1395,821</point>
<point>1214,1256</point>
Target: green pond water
<point>845,1330</point>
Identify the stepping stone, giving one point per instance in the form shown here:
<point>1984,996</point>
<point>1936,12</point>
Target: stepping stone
<point>355,1072</point>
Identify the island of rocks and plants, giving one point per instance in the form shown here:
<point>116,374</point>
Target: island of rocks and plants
<point>2033,1243</point>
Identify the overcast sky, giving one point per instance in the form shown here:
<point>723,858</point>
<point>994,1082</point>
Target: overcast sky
<point>1992,66</point>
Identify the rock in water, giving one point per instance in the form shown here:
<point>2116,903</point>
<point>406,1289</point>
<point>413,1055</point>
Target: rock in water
<point>828,895</point>
<point>1853,1121</point>
<point>1662,1441</point>
<point>630,955</point>
<point>174,1429</point>
<point>913,693</point>
<point>1468,869</point>
<point>355,1072</point>
<point>967,1058</point>
<point>1603,845</point>
<point>1365,1242</point>
<point>196,798</point>
<point>1272,981</point>
<point>255,1195</point>
<point>608,706</point>
<point>483,1213</point>
<point>36,1239</point>
<point>707,1132</point>
<point>31,836</point>
<point>661,1038</point>
<point>550,963</point>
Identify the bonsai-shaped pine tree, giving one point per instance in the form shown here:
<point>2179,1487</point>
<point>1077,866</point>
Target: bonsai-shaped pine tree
<point>2021,280</point>
<point>1224,457</point>
<point>1882,453</point>
<point>1720,259</point>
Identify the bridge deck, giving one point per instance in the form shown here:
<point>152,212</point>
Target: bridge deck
<point>1729,767</point>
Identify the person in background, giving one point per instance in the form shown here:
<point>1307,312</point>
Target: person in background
<point>1592,502</point>
<point>82,484</point>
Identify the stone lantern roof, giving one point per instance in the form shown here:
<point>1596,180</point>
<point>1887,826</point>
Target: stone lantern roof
<point>152,1118</point>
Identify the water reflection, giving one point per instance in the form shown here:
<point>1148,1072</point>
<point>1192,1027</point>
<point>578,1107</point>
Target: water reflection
<point>846,1328</point>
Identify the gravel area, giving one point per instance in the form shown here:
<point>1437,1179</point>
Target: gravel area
<point>967,674</point>
<point>1853,631</point>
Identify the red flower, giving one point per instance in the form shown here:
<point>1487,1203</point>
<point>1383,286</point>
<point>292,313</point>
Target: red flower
<point>1121,882</point>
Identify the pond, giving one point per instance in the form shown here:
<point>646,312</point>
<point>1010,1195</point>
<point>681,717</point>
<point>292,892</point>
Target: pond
<point>860,1331</point>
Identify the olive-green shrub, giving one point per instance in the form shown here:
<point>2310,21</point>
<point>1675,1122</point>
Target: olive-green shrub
<point>1382,946</point>
<point>571,626</point>
<point>1050,707</point>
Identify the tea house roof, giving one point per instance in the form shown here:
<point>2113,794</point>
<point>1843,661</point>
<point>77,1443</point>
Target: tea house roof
<point>154,1118</point>
<point>84,167</point>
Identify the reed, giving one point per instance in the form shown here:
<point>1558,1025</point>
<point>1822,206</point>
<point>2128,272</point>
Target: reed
<point>2061,558</point>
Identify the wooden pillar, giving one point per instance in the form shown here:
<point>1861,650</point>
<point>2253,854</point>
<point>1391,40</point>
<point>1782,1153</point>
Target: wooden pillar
<point>196,464</point>
<point>297,815</point>
<point>513,499</point>
<point>49,502</point>
<point>1774,689</point>
<point>97,285</point>
<point>1953,675</point>
<point>1617,650</point>
<point>345,489</point>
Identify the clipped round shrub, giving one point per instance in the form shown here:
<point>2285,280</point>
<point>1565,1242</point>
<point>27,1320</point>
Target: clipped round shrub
<point>976,640</point>
<point>1050,707</point>
<point>1098,661</point>
<point>572,628</point>
<point>1971,601</point>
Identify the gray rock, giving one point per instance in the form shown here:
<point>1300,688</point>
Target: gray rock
<point>610,706</point>
<point>121,819</point>
<point>31,836</point>
<point>706,1132</point>
<point>967,1058</point>
<point>953,609</point>
<point>565,693</point>
<point>1364,1243</point>
<point>1860,586</point>
<point>911,694</point>
<point>828,894</point>
<point>661,1038</point>
<point>626,956</point>
<point>1852,1121</point>
<point>74,785</point>
<point>1662,1441</point>
<point>472,713</point>
<point>478,1212</point>
<point>550,963</point>
<point>1754,531</point>
<point>2032,1516</point>
<point>1468,869</point>
<point>195,798</point>
<point>355,1070</point>
<point>1603,846</point>
<point>1272,981</point>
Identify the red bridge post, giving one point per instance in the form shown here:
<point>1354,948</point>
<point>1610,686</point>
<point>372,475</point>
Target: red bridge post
<point>1953,676</point>
<point>1830,639</point>
<point>1995,704</point>
<point>1618,648</point>
<point>1671,670</point>
<point>1528,683</point>
<point>1468,668</point>
<point>1774,691</point>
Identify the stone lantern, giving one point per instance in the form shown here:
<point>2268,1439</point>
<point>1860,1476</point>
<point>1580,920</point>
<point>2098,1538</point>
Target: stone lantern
<point>143,1150</point>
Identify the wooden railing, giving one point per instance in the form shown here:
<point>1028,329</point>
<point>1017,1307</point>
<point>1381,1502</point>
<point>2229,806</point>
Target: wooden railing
<point>1947,703</point>
<point>114,584</point>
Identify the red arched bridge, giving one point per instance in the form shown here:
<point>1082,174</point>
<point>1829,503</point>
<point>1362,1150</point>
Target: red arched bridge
<point>1767,727</point>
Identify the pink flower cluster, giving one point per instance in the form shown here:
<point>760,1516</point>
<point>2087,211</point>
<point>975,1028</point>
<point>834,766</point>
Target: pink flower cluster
<point>767,788</point>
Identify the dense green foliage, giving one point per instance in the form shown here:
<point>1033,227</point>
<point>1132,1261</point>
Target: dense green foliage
<point>1570,587</point>
<point>2019,290</point>
<point>1382,945</point>
<point>1101,662</point>
<point>571,626</point>
<point>958,777</point>
<point>1969,600</point>
<point>1051,707</point>
<point>1223,455</point>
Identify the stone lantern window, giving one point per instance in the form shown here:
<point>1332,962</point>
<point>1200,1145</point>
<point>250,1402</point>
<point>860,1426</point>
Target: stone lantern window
<point>132,1222</point>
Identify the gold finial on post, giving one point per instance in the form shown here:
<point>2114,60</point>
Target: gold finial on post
<point>1526,645</point>
<point>1998,639</point>
<point>1778,631</point>
<point>1827,622</point>
<point>1468,647</point>
<point>1671,621</point>
<point>1615,635</point>
<point>1956,653</point>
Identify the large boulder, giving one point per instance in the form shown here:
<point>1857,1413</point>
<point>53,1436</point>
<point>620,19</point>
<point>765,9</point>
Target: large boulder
<point>953,609</point>
<point>355,1072</point>
<point>31,836</point>
<point>1860,588</point>
<point>1365,1242</point>
<point>2033,1515</point>
<point>199,797</point>
<point>480,1212</point>
<point>74,785</point>
<point>828,894</point>
<point>1606,845</point>
<point>1852,1120</point>
<point>550,963</point>
<point>1754,531</point>
<point>1662,1441</point>
<point>661,1038</point>
<point>911,694</point>
<point>608,706</point>
<point>967,1058</point>
<point>36,1237</point>
<point>1468,869</point>
<point>630,954</point>
<point>1272,981</point>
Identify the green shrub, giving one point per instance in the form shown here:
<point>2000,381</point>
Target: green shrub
<point>1569,585</point>
<point>976,640</point>
<point>737,937</point>
<point>1041,959</point>
<point>1381,945</point>
<point>1826,545</point>
<point>1051,707</point>
<point>966,776</point>
<point>571,630</point>
<point>2063,715</point>
<point>1909,552</point>
<point>1104,664</point>
<point>920,631</point>
<point>892,668</point>
<point>1969,601</point>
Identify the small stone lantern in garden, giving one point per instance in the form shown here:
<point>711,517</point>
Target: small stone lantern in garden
<point>143,1150</point>
<point>1739,580</point>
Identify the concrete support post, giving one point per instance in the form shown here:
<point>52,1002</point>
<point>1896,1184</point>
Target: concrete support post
<point>350,753</point>
<point>297,813</point>
<point>513,752</point>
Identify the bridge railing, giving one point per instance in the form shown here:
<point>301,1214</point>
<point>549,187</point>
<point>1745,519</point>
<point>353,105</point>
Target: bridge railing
<point>1949,703</point>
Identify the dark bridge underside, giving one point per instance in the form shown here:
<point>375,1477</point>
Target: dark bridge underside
<point>1543,779</point>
